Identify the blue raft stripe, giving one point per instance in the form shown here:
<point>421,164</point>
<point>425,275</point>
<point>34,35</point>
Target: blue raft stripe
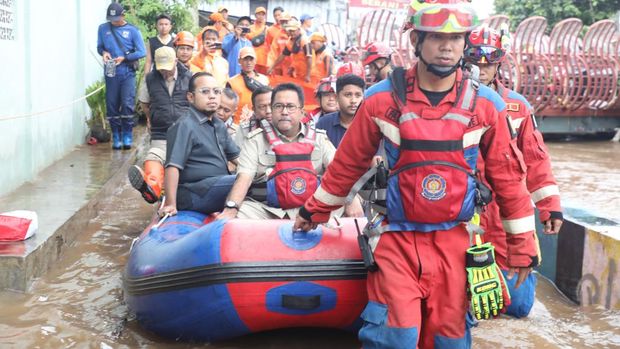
<point>315,298</point>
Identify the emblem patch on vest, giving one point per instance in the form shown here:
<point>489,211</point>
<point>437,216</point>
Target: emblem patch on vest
<point>512,107</point>
<point>433,187</point>
<point>298,186</point>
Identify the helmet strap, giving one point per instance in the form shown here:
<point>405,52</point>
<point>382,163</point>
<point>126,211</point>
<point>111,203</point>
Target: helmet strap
<point>439,70</point>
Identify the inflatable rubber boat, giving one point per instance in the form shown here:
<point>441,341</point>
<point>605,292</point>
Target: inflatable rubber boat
<point>196,279</point>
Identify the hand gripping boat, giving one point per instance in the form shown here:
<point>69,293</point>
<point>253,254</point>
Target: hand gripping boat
<point>190,281</point>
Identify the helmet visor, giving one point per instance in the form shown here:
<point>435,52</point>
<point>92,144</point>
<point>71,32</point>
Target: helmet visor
<point>483,54</point>
<point>445,19</point>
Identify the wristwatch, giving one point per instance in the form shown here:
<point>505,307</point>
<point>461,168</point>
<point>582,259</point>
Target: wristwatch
<point>231,204</point>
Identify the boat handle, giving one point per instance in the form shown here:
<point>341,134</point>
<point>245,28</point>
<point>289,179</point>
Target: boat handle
<point>301,302</point>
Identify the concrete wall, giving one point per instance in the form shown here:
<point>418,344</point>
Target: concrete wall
<point>45,50</point>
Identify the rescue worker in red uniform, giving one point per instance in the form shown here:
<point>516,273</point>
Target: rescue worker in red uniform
<point>434,122</point>
<point>487,48</point>
<point>377,58</point>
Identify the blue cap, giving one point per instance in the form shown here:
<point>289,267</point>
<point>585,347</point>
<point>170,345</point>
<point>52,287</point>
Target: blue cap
<point>304,17</point>
<point>115,12</point>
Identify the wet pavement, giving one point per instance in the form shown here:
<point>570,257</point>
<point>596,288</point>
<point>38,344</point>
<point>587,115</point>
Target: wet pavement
<point>79,303</point>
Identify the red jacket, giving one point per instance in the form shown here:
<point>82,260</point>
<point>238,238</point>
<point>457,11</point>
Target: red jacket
<point>377,119</point>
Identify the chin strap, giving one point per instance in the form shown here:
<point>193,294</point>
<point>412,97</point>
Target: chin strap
<point>439,70</point>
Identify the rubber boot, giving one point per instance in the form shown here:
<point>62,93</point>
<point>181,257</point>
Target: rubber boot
<point>127,138</point>
<point>116,138</point>
<point>148,182</point>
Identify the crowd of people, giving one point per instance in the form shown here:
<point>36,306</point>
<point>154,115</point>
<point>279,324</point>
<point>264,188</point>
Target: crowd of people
<point>233,134</point>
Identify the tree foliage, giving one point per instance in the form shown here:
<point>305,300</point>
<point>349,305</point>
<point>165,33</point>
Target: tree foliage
<point>589,11</point>
<point>142,14</point>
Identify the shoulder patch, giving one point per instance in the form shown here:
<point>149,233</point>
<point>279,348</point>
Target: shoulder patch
<point>519,97</point>
<point>512,107</point>
<point>254,133</point>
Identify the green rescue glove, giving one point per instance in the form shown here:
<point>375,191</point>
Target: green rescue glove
<point>485,281</point>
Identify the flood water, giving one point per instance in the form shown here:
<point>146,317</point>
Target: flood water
<point>79,303</point>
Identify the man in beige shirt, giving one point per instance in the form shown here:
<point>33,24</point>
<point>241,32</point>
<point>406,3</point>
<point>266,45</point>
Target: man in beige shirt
<point>258,160</point>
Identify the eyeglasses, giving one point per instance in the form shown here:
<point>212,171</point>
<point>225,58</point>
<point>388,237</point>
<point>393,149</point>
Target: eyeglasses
<point>206,91</point>
<point>279,107</point>
<point>483,54</point>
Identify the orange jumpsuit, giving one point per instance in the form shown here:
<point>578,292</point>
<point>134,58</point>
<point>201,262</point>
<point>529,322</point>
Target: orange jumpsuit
<point>238,85</point>
<point>262,51</point>
<point>322,65</point>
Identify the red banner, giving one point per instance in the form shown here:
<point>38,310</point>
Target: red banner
<point>386,4</point>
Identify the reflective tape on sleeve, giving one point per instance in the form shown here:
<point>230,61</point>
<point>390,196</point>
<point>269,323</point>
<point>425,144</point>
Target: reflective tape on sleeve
<point>473,137</point>
<point>545,192</point>
<point>389,130</point>
<point>328,198</point>
<point>519,225</point>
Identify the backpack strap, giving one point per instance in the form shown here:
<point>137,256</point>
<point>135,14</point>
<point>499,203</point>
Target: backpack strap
<point>270,135</point>
<point>468,89</point>
<point>399,85</point>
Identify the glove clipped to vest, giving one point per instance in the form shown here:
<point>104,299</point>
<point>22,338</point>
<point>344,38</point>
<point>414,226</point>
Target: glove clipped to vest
<point>486,283</point>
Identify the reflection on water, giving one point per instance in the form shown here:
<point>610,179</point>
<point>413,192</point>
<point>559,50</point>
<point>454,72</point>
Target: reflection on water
<point>79,303</point>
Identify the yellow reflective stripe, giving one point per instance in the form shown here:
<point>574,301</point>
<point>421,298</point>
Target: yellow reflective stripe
<point>473,137</point>
<point>519,225</point>
<point>545,192</point>
<point>327,198</point>
<point>389,130</point>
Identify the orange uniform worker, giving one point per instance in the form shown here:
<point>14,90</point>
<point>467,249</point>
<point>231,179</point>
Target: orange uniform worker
<point>209,59</point>
<point>487,49</point>
<point>322,59</point>
<point>279,38</point>
<point>433,122</point>
<point>246,82</point>
<point>298,49</point>
<point>258,36</point>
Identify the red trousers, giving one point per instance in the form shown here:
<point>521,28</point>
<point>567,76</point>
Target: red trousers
<point>417,298</point>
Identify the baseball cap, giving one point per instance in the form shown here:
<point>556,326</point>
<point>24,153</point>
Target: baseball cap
<point>247,51</point>
<point>216,17</point>
<point>305,17</point>
<point>292,25</point>
<point>165,58</point>
<point>222,8</point>
<point>115,12</point>
<point>260,9</point>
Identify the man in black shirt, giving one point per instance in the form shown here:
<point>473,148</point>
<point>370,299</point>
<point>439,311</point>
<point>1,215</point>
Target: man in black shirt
<point>198,149</point>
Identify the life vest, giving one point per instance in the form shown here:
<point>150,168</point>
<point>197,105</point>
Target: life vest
<point>293,179</point>
<point>433,182</point>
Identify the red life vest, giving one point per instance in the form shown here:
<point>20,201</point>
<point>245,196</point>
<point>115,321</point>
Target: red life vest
<point>433,181</point>
<point>293,179</point>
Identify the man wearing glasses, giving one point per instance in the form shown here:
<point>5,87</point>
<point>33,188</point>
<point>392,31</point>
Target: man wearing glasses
<point>285,137</point>
<point>198,150</point>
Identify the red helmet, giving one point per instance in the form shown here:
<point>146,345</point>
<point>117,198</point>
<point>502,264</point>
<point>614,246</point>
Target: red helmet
<point>374,51</point>
<point>326,85</point>
<point>441,16</point>
<point>487,45</point>
<point>350,68</point>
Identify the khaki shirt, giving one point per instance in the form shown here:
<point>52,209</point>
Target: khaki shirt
<point>257,159</point>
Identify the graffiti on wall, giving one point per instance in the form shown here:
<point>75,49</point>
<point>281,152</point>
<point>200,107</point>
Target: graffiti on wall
<point>600,283</point>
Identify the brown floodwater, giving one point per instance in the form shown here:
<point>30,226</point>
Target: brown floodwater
<point>79,303</point>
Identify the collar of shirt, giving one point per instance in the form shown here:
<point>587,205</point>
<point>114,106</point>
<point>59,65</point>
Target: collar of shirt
<point>418,96</point>
<point>174,76</point>
<point>201,117</point>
